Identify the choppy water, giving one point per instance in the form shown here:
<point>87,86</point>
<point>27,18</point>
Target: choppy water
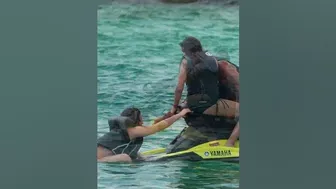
<point>138,60</point>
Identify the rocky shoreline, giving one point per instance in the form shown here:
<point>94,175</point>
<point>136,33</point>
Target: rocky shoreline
<point>220,2</point>
<point>179,1</point>
<point>201,1</point>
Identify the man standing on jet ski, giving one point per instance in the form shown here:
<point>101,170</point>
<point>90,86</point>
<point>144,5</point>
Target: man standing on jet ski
<point>213,117</point>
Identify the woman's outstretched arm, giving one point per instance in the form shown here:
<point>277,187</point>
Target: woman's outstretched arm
<point>141,131</point>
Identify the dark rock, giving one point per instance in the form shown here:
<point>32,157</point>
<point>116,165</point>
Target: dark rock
<point>179,1</point>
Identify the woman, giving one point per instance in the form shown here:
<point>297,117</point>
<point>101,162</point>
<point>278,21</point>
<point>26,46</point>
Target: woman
<point>126,134</point>
<point>199,70</point>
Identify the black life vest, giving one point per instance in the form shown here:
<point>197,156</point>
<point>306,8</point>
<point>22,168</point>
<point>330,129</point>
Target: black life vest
<point>117,140</point>
<point>202,82</point>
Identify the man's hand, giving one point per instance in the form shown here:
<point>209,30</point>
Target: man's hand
<point>173,109</point>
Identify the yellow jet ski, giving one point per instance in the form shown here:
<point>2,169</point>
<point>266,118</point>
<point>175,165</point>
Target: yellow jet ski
<point>214,150</point>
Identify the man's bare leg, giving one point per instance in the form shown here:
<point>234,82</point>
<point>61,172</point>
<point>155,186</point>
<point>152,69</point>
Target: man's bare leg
<point>234,136</point>
<point>225,108</point>
<point>230,109</point>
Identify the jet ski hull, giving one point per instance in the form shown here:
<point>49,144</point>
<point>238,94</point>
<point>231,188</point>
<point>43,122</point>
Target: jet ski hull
<point>214,150</point>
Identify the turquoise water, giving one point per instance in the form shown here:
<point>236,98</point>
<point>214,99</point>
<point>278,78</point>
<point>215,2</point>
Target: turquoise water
<point>138,61</point>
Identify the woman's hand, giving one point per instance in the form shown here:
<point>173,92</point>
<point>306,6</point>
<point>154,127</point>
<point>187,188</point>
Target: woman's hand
<point>185,111</point>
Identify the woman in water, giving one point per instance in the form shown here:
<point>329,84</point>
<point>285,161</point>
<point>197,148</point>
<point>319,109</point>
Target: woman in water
<point>126,134</point>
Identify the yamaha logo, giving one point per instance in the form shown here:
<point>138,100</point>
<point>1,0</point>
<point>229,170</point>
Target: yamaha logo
<point>206,153</point>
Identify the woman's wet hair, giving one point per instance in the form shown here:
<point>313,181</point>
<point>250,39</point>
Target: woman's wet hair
<point>132,113</point>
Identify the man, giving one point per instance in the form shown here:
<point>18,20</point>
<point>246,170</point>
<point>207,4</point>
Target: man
<point>201,72</point>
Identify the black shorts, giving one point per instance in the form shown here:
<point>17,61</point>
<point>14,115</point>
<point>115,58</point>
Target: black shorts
<point>199,103</point>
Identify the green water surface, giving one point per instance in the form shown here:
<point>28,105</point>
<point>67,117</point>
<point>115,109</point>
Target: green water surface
<point>138,61</point>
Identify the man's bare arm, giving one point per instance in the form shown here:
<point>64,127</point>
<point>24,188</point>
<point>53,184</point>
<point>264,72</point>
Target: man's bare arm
<point>181,81</point>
